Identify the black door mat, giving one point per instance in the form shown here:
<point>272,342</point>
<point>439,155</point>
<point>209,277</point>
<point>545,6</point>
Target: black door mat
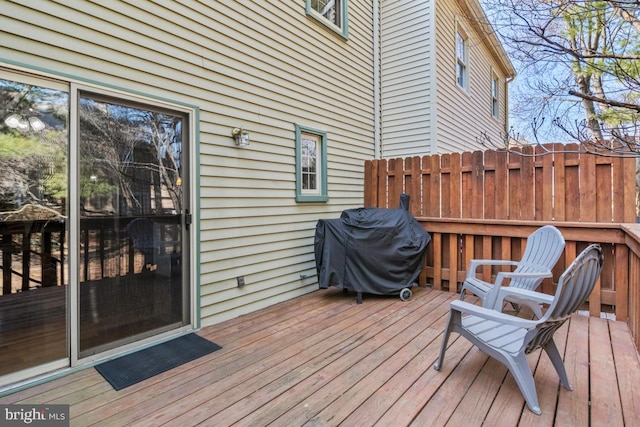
<point>141,365</point>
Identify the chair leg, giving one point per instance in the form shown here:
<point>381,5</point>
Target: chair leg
<point>515,307</point>
<point>521,372</point>
<point>535,307</point>
<point>466,286</point>
<point>556,360</point>
<point>445,339</point>
<point>462,292</point>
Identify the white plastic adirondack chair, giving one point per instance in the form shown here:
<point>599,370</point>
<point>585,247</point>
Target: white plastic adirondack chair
<point>544,247</point>
<point>509,339</point>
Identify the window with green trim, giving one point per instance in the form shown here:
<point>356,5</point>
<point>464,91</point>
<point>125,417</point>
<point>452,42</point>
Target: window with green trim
<point>311,165</point>
<point>332,13</point>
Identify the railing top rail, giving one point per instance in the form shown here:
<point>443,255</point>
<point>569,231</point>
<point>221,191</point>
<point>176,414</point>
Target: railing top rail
<point>579,231</point>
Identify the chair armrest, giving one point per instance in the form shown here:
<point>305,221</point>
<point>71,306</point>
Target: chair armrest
<point>522,294</point>
<point>489,314</point>
<point>475,263</point>
<point>493,296</point>
<point>542,274</point>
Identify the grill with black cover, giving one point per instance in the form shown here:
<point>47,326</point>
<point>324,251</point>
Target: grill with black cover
<point>371,250</point>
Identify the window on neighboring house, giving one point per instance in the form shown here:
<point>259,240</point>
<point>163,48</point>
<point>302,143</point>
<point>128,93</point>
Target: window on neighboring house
<point>311,165</point>
<point>332,13</point>
<point>462,55</point>
<point>495,106</point>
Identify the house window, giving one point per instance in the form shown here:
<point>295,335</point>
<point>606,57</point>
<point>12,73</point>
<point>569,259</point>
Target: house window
<point>495,109</point>
<point>311,165</point>
<point>462,55</point>
<point>332,13</point>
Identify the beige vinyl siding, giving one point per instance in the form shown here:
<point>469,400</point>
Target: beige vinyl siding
<point>463,116</point>
<point>260,65</point>
<point>406,77</point>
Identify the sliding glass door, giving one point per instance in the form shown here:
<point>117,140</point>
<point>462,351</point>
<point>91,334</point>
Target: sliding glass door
<point>93,224</point>
<point>34,146</point>
<point>131,219</point>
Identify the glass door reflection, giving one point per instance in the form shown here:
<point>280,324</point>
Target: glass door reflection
<point>130,252</point>
<point>33,223</point>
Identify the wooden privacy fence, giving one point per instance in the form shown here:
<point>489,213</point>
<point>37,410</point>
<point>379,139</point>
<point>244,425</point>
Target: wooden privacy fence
<point>550,183</point>
<point>485,204</point>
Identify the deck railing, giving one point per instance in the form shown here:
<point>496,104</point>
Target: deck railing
<point>632,285</point>
<point>456,242</point>
<point>34,253</point>
<point>40,244</point>
<point>485,205</point>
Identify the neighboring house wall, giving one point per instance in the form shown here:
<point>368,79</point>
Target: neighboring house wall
<point>407,75</point>
<point>423,108</point>
<point>464,115</point>
<point>262,66</point>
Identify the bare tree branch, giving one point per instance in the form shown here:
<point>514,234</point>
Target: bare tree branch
<point>610,102</point>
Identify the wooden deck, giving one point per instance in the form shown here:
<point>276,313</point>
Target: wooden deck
<point>321,359</point>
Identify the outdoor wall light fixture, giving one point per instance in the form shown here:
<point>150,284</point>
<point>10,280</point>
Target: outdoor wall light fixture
<point>241,137</point>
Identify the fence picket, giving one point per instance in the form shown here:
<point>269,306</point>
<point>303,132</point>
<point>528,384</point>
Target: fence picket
<point>412,185</point>
<point>435,178</point>
<point>514,183</point>
<point>527,184</point>
<point>589,189</point>
<point>466,185</point>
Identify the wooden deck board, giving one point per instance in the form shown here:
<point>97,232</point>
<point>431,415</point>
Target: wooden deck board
<point>357,393</point>
<point>547,385</point>
<point>605,410</point>
<point>445,400</point>
<point>407,407</point>
<point>322,359</point>
<point>185,388</point>
<point>628,379</point>
<point>366,351</point>
<point>508,405</point>
<point>573,407</point>
<point>480,396</point>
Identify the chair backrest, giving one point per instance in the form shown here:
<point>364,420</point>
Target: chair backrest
<point>544,247</point>
<point>574,287</point>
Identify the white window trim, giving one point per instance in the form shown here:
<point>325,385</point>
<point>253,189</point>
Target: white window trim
<point>495,95</point>
<point>460,30</point>
<point>342,29</point>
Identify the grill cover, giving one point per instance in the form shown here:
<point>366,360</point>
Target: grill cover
<point>370,250</point>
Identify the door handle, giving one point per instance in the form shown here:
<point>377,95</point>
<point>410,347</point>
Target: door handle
<point>187,218</point>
